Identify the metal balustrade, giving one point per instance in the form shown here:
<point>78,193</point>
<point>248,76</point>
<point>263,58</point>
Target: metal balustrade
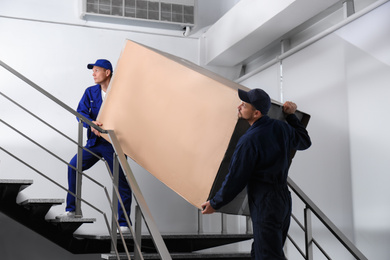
<point>119,161</point>
<point>142,208</point>
<point>312,210</point>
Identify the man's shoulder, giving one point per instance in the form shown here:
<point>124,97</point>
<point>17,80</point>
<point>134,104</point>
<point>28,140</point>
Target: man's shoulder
<point>93,88</point>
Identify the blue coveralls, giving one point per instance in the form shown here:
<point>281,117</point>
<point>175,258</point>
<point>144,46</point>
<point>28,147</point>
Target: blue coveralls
<point>89,107</point>
<point>260,162</point>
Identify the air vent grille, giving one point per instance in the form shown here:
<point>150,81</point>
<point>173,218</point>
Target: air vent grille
<point>168,11</point>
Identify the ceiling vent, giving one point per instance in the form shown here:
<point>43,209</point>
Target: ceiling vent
<point>174,12</point>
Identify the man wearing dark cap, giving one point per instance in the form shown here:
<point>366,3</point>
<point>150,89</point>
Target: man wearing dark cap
<point>89,107</point>
<point>260,162</point>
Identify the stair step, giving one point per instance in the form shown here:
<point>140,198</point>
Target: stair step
<point>178,243</point>
<point>70,225</point>
<point>10,188</point>
<point>40,207</point>
<point>179,256</point>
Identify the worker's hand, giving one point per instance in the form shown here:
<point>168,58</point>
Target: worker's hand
<point>289,107</point>
<point>96,132</point>
<point>207,209</point>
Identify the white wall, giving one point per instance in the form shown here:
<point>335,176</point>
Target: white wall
<point>367,54</point>
<point>342,82</point>
<point>52,48</point>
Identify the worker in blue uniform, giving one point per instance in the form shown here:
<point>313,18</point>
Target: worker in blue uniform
<point>89,107</point>
<point>260,162</point>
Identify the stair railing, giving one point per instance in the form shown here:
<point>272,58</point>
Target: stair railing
<point>111,202</point>
<point>78,171</point>
<point>62,187</point>
<point>119,157</point>
<point>309,210</point>
<point>310,207</point>
<point>148,219</point>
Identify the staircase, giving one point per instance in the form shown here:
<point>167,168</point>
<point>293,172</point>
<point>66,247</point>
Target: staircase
<point>31,213</point>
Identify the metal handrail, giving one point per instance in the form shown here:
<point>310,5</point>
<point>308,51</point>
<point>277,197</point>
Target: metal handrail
<point>310,207</point>
<point>77,196</point>
<point>78,170</point>
<point>62,187</point>
<point>149,221</point>
<point>51,97</point>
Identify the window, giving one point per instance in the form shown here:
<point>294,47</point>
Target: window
<point>169,11</point>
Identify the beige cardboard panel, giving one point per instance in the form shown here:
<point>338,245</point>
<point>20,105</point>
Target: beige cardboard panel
<point>172,117</point>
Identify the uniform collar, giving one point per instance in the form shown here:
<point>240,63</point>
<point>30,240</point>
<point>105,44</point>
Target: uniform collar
<point>260,121</point>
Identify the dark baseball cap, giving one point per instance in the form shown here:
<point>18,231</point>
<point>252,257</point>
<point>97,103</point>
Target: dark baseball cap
<point>101,63</point>
<point>257,98</point>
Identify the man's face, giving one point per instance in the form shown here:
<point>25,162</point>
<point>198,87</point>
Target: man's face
<point>99,74</point>
<point>246,111</point>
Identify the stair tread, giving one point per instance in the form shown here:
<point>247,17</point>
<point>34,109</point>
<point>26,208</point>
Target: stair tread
<point>42,201</point>
<point>181,255</point>
<point>22,183</point>
<point>171,236</point>
<point>15,181</point>
<point>69,220</point>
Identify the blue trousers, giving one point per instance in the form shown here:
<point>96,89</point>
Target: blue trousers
<point>270,210</point>
<point>105,150</point>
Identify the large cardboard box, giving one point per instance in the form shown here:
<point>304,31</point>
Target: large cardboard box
<point>177,120</point>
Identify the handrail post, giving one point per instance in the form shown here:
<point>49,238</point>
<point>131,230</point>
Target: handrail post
<point>115,180</point>
<point>137,229</point>
<point>308,234</point>
<point>223,223</point>
<point>148,219</point>
<point>78,213</point>
<point>200,222</point>
<point>248,225</point>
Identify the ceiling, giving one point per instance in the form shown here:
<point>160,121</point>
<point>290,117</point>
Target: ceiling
<point>250,26</point>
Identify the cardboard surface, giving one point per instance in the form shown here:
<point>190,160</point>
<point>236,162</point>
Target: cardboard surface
<point>177,120</point>
<point>173,118</point>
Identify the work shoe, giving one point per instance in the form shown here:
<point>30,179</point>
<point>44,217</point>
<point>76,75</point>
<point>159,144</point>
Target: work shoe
<point>68,214</point>
<point>124,229</point>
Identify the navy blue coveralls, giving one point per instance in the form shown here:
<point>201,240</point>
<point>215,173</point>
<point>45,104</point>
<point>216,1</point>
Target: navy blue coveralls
<point>89,107</point>
<point>260,162</point>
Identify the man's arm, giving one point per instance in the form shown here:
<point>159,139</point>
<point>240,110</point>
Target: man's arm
<point>301,139</point>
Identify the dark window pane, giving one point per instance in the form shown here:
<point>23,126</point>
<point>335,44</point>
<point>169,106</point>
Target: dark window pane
<point>117,10</point>
<point>178,9</point>
<point>91,8</point>
<point>104,9</point>
<point>178,18</point>
<point>105,2</point>
<point>166,7</point>
<point>153,6</point>
<point>152,15</point>
<point>130,3</point>
<point>143,14</point>
<point>117,3</point>
<point>189,19</point>
<point>142,4</point>
<point>130,12</point>
<point>166,16</point>
<point>188,10</point>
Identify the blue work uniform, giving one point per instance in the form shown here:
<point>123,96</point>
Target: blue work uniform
<point>260,162</point>
<point>89,107</point>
